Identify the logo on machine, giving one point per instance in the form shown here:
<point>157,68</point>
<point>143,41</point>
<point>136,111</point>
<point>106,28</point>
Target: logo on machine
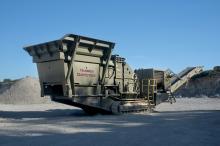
<point>86,73</point>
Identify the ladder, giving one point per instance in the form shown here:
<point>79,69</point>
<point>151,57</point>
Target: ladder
<point>149,90</point>
<point>171,98</point>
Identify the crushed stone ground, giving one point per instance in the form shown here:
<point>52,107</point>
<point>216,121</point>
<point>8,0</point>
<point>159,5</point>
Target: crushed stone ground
<point>190,121</point>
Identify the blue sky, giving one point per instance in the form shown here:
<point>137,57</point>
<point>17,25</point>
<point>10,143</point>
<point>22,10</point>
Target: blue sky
<point>148,33</point>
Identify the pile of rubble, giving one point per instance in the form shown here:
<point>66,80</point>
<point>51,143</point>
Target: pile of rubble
<point>205,84</point>
<point>22,91</point>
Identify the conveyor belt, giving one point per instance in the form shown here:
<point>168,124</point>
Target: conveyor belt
<point>183,77</point>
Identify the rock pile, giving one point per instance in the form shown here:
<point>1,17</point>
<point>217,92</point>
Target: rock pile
<point>22,91</point>
<point>206,84</point>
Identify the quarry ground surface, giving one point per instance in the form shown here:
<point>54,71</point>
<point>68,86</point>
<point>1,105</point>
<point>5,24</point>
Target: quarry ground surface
<point>194,121</point>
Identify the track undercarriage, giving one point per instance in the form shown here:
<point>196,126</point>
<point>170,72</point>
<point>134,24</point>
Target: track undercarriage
<point>109,106</point>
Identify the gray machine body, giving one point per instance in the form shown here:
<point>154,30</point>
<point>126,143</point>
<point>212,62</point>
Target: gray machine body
<point>82,72</point>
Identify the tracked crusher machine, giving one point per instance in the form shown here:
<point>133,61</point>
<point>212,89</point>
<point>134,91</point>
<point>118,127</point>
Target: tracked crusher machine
<point>81,71</point>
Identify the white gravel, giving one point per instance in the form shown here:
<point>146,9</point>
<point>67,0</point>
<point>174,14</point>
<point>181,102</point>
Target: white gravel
<point>187,122</point>
<point>190,104</point>
<point>22,91</point>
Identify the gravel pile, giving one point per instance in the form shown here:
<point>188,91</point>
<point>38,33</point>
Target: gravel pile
<point>205,85</point>
<point>22,91</point>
